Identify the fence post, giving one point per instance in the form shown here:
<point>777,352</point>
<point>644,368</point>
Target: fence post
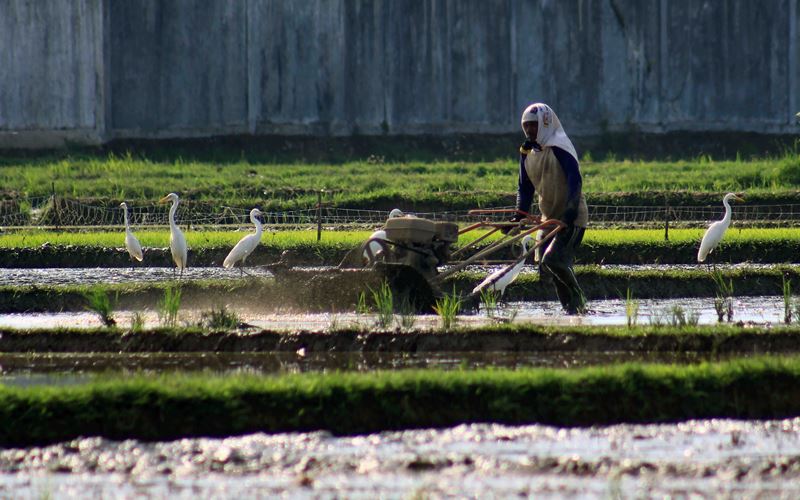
<point>319,214</point>
<point>666,222</point>
<point>55,205</point>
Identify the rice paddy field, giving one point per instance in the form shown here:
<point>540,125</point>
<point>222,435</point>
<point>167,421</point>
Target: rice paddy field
<point>438,183</point>
<point>303,379</point>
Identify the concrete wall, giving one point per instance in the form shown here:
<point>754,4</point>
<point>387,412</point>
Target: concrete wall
<point>93,70</point>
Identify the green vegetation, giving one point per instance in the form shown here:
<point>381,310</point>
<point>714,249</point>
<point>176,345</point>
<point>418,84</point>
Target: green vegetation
<point>448,308</point>
<point>219,318</point>
<point>243,182</point>
<point>384,304</point>
<point>169,407</point>
<point>100,304</point>
<point>723,301</point>
<point>169,306</point>
<point>631,309</point>
<point>349,239</point>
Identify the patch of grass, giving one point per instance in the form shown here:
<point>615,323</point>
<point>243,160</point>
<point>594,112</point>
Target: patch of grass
<point>169,306</point>
<point>137,322</point>
<point>219,318</point>
<point>100,303</point>
<point>408,317</point>
<point>631,309</point>
<point>244,180</point>
<point>489,301</point>
<point>170,407</point>
<point>448,308</point>
<point>787,300</point>
<point>361,303</point>
<point>723,301</point>
<point>679,317</point>
<point>384,304</point>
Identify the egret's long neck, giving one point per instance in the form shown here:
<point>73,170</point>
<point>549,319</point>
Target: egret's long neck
<point>727,218</point>
<point>172,214</point>
<point>257,224</point>
<point>127,225</point>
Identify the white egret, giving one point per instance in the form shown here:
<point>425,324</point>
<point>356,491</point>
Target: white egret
<point>509,276</point>
<point>131,243</point>
<point>246,245</point>
<point>396,212</point>
<point>716,230</point>
<point>177,242</point>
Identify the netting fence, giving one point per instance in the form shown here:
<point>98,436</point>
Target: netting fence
<point>62,212</point>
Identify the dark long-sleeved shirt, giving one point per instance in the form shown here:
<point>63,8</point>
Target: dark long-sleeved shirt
<point>569,165</point>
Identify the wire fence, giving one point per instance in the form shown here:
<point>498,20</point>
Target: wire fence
<point>65,212</point>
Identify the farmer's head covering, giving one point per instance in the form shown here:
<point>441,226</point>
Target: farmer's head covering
<point>551,133</point>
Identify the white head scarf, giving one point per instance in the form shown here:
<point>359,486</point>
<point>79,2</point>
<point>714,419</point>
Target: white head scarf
<point>551,133</point>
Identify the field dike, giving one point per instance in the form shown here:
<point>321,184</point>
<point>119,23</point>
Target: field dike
<point>331,290</point>
<point>718,339</point>
<point>662,252</point>
<point>175,406</point>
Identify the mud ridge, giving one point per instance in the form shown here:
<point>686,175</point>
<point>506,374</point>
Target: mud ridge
<point>533,339</point>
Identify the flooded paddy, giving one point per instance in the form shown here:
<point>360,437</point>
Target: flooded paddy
<point>757,309</point>
<point>692,459</point>
<point>113,275</point>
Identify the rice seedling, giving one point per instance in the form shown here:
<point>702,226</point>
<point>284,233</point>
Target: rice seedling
<point>631,309</point>
<point>448,308</point>
<point>361,304</point>
<point>137,322</point>
<point>723,299</point>
<point>679,317</point>
<point>384,304</point>
<point>657,318</point>
<point>408,317</point>
<point>169,306</point>
<point>787,300</point>
<point>220,318</point>
<point>100,304</point>
<point>489,301</point>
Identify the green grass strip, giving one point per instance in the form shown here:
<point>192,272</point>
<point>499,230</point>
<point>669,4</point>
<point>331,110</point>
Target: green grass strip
<point>239,180</point>
<point>349,239</point>
<point>346,403</point>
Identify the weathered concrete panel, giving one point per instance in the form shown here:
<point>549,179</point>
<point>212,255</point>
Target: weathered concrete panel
<point>49,60</point>
<point>101,69</point>
<point>727,65</point>
<point>177,66</point>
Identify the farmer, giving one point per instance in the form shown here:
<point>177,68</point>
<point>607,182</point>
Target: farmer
<point>548,164</point>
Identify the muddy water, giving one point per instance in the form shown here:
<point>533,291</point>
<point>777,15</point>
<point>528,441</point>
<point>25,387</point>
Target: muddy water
<point>757,309</point>
<point>73,276</point>
<point>694,459</point>
<point>105,275</point>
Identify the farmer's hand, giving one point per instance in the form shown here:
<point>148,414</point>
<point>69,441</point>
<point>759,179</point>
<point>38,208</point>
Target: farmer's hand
<point>526,147</point>
<point>515,219</point>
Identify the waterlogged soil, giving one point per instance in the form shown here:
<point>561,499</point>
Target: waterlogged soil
<point>693,459</point>
<point>755,331</point>
<point>326,289</point>
<point>759,310</point>
<point>29,369</point>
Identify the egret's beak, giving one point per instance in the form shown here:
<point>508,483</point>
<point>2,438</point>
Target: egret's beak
<point>738,198</point>
<point>164,199</point>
